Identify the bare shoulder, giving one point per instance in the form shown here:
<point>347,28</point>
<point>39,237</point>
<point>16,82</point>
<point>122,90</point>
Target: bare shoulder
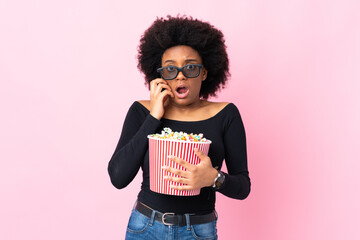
<point>215,107</point>
<point>145,103</point>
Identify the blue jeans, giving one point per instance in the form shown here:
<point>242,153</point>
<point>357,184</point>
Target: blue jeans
<point>143,227</point>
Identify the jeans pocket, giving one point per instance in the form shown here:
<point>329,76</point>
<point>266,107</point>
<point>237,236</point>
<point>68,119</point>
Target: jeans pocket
<point>206,231</point>
<point>137,222</point>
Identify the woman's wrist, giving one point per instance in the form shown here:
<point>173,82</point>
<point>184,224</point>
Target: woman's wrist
<point>212,176</point>
<point>157,116</point>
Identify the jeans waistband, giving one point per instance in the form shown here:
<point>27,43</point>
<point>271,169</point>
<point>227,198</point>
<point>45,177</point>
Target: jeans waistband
<point>175,219</point>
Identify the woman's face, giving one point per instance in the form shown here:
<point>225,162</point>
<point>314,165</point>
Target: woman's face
<point>186,90</point>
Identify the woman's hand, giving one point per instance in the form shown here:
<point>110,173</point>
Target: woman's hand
<point>195,176</point>
<point>159,94</point>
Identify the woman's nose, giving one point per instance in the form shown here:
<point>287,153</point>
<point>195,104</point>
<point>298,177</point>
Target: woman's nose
<point>180,76</point>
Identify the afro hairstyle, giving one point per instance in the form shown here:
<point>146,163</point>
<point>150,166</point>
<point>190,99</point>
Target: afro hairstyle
<point>208,41</point>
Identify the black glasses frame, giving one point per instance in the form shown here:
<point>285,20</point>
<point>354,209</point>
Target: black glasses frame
<point>180,69</point>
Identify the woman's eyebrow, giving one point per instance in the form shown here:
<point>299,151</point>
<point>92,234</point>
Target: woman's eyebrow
<point>191,60</point>
<point>187,60</point>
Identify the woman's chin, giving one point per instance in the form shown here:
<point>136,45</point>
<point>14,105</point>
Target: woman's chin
<point>184,101</point>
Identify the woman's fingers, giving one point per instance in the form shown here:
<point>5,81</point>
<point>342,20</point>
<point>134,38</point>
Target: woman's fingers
<point>160,91</point>
<point>188,184</point>
<point>182,162</point>
<point>159,86</point>
<point>195,176</point>
<point>177,179</point>
<point>175,171</point>
<point>182,188</point>
<point>162,87</point>
<point>156,82</point>
<point>167,91</point>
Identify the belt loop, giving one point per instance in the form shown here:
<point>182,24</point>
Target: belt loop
<point>135,205</point>
<point>152,218</point>
<point>187,221</point>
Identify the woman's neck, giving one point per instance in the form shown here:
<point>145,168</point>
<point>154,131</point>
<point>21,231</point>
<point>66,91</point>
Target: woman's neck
<point>188,107</point>
<point>175,110</point>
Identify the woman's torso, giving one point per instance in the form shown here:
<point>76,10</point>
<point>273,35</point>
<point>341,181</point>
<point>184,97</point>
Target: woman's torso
<point>212,121</point>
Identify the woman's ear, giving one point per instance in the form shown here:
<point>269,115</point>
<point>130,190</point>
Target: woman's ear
<point>204,74</point>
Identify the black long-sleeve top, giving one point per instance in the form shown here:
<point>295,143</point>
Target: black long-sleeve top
<point>225,130</point>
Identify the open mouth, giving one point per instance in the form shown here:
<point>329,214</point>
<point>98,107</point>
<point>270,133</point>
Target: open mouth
<point>182,91</point>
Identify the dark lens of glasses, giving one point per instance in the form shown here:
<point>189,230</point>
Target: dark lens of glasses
<point>169,72</point>
<point>190,71</point>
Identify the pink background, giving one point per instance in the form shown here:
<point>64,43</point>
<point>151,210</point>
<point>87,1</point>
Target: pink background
<point>68,75</point>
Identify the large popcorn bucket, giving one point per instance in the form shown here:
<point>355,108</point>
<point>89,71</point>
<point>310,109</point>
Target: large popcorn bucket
<point>159,152</point>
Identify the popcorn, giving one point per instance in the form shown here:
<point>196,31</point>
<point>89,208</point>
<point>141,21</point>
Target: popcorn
<point>168,134</point>
<point>177,144</point>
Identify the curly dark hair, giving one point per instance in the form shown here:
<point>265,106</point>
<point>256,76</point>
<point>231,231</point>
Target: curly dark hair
<point>204,38</point>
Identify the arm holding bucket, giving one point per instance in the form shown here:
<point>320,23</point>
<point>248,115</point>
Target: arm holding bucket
<point>237,181</point>
<point>132,146</point>
<point>195,176</point>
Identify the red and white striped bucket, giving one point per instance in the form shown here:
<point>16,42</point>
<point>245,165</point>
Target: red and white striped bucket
<point>159,150</point>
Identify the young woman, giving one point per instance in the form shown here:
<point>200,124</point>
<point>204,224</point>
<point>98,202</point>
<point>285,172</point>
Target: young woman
<point>184,61</point>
